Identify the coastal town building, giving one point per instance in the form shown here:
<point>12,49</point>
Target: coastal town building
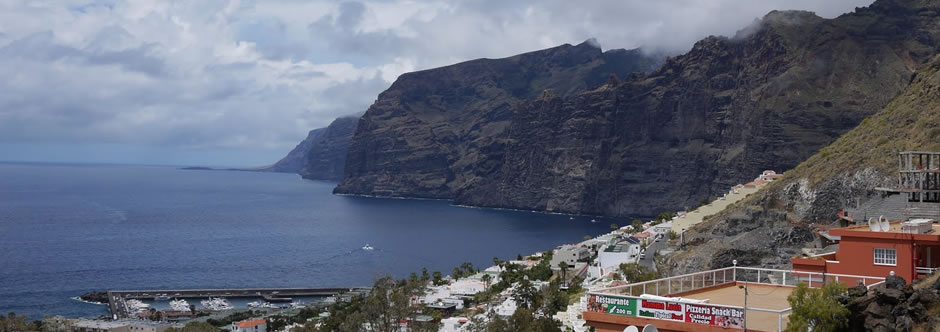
<point>894,232</point>
<point>87,325</point>
<point>569,254</point>
<point>250,325</point>
<point>910,249</point>
<point>611,257</point>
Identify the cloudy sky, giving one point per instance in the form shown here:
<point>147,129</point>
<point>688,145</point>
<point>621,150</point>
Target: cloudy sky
<point>239,83</point>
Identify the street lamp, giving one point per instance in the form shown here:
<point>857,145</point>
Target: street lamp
<point>744,287</point>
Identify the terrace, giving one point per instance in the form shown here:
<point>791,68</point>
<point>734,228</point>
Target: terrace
<point>714,299</point>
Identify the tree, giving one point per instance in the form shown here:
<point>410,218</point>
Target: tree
<point>438,278</point>
<point>192,309</point>
<point>818,309</point>
<point>526,295</point>
<point>664,216</point>
<point>497,262</point>
<point>424,274</point>
<point>554,299</point>
<point>633,272</point>
<point>614,227</point>
<point>519,257</point>
<point>564,269</point>
<point>413,277</point>
<point>637,225</point>
<point>456,273</point>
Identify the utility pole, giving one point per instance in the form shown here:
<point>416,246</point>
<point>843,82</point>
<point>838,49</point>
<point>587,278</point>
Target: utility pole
<point>744,287</point>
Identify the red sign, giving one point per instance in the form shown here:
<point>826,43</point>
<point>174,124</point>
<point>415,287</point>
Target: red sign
<point>715,316</point>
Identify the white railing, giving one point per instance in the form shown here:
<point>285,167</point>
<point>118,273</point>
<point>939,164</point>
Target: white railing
<point>925,270</point>
<point>677,285</point>
<point>792,278</point>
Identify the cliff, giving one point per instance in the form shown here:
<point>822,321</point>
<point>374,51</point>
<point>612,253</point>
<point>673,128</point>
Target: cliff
<point>322,154</point>
<point>435,132</point>
<point>485,134</point>
<point>295,160</point>
<point>772,225</point>
<point>326,155</point>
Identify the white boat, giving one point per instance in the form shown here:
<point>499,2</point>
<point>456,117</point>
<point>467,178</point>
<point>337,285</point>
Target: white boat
<point>216,304</point>
<point>179,305</point>
<point>136,305</point>
<point>593,220</point>
<point>255,304</point>
<point>367,247</point>
<point>161,297</point>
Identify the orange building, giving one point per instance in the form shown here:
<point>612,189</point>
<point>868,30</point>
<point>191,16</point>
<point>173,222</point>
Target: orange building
<point>909,249</point>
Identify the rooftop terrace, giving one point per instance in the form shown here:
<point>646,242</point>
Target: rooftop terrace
<point>713,297</point>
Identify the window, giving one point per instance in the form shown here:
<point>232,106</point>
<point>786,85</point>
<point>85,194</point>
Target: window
<point>886,256</point>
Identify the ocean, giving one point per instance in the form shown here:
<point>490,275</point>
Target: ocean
<point>69,229</point>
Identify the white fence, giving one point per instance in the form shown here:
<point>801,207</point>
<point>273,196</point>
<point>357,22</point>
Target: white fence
<point>671,286</point>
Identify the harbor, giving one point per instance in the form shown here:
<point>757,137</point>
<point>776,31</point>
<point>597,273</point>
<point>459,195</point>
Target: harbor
<point>126,304</point>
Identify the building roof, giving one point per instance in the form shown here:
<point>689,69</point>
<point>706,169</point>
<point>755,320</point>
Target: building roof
<point>97,324</point>
<point>642,235</point>
<point>894,232</point>
<point>247,324</point>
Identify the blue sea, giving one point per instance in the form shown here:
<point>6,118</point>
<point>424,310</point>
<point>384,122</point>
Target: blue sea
<point>69,229</point>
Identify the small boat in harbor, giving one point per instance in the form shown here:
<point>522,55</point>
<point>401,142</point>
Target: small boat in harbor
<point>179,305</point>
<point>367,247</point>
<point>216,304</point>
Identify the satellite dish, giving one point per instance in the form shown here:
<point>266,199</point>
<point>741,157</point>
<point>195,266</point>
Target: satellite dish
<point>883,223</point>
<point>650,328</point>
<point>873,225</point>
<point>631,328</point>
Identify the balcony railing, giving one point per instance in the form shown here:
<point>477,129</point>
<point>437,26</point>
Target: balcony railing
<point>682,284</point>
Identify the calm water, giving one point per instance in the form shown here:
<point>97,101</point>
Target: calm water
<point>67,229</point>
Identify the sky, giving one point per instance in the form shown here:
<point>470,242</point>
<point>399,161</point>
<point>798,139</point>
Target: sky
<point>239,83</point>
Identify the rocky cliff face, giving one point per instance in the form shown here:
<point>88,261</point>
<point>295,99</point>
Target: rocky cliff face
<point>435,132</point>
<point>326,156</point>
<point>295,160</point>
<point>770,227</point>
<point>322,155</point>
<point>767,98</point>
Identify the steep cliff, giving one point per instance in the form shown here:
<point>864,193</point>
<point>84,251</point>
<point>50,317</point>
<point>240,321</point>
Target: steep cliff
<point>773,224</point>
<point>767,98</point>
<point>434,132</point>
<point>326,156</point>
<point>295,160</point>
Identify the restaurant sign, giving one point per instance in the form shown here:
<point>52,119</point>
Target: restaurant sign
<point>704,314</point>
<point>714,316</point>
<point>614,305</point>
<point>666,310</point>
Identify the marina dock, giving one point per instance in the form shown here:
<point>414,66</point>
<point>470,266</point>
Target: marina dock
<point>118,308</point>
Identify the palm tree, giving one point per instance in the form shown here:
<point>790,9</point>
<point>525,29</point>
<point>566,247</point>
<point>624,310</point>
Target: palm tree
<point>564,270</point>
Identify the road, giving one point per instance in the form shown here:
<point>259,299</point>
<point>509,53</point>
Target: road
<point>650,250</point>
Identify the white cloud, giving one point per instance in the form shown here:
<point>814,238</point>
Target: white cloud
<point>259,74</point>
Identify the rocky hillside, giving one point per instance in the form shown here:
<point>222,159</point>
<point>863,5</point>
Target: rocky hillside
<point>484,133</point>
<point>435,132</point>
<point>326,156</point>
<point>322,155</point>
<point>772,225</point>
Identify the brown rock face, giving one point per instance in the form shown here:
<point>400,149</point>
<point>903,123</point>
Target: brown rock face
<point>766,99</point>
<point>325,157</point>
<point>435,132</point>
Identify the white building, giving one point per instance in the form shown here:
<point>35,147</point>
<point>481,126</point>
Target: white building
<point>251,325</point>
<point>569,254</point>
<point>611,257</point>
<point>662,228</point>
<point>86,325</point>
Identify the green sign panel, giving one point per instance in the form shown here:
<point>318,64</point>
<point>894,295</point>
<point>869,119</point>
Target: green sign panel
<point>613,305</point>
